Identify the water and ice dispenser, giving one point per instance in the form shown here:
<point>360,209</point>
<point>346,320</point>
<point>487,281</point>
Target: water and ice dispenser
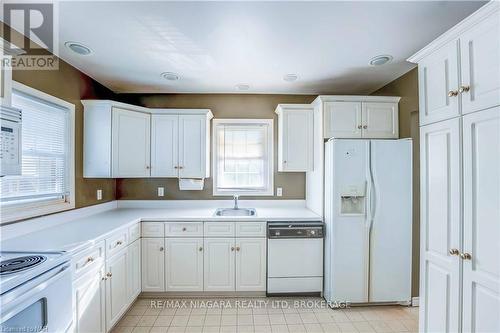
<point>353,199</point>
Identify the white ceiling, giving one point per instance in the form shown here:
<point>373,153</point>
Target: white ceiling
<point>215,45</point>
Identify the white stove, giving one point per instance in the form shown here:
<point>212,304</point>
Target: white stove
<point>35,292</point>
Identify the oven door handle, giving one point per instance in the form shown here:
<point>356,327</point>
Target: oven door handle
<point>12,302</point>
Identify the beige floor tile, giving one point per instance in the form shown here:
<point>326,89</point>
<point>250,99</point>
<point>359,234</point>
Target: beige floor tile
<point>212,320</point>
<point>228,320</point>
<point>158,329</point>
<point>353,315</point>
<point>346,327</point>
<point>275,310</point>
<point>194,329</point>
<point>245,329</point>
<point>137,310</point>
<point>263,329</point>
<point>279,328</point>
<point>183,312</point>
<point>298,328</point>
<point>211,329</point>
<point>244,311</point>
<point>308,318</point>
<point>196,320</point>
<point>261,320</point>
<point>176,329</point>
<point>229,311</point>
<point>147,321</point>
<point>163,321</point>
<point>262,310</point>
<point>152,311</point>
<point>179,321</point>
<point>198,312</point>
<point>324,317</point>
<point>330,328</point>
<point>167,312</point>
<point>380,326</point>
<point>396,325</point>
<point>339,317</point>
<point>229,329</point>
<point>215,311</point>
<point>363,327</point>
<point>313,328</point>
<point>122,329</point>
<point>129,321</point>
<point>277,319</point>
<point>411,324</point>
<point>141,329</point>
<point>245,320</point>
<point>293,319</point>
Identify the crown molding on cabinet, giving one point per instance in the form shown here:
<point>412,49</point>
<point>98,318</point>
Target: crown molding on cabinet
<point>354,98</point>
<point>478,16</point>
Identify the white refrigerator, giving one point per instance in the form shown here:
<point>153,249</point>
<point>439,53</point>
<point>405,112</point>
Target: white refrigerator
<point>368,217</point>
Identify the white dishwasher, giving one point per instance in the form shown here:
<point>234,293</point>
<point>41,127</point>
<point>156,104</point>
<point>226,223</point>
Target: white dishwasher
<point>295,258</point>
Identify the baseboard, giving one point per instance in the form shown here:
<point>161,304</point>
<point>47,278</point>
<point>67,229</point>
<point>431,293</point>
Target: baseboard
<point>414,301</point>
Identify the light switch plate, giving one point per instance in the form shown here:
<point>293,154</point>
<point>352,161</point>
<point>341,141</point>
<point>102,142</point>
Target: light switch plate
<point>99,194</point>
<point>279,192</point>
<point>161,191</point>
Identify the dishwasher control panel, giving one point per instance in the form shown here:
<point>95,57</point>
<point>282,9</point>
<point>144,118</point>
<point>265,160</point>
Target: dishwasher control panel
<point>295,229</point>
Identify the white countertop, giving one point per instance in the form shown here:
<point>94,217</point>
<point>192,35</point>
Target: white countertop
<point>80,232</point>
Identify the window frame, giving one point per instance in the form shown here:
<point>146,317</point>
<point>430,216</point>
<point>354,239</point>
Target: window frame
<point>20,211</point>
<point>269,191</point>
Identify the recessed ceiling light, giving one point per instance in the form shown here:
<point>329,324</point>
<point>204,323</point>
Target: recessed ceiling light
<point>380,60</point>
<point>78,48</point>
<point>290,77</point>
<point>242,86</point>
<point>170,76</point>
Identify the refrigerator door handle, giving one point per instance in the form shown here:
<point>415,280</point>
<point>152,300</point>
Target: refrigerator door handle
<point>373,194</point>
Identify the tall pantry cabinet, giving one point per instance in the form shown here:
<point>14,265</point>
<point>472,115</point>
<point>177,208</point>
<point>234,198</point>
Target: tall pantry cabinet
<point>459,91</point>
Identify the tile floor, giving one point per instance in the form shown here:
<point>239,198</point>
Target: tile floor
<point>260,314</point>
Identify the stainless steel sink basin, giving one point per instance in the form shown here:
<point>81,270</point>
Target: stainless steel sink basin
<point>235,212</point>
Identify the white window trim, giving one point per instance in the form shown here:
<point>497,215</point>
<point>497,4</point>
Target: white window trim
<point>16,212</point>
<point>270,149</point>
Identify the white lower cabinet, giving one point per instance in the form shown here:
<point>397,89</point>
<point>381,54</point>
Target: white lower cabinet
<point>89,302</point>
<point>219,264</point>
<point>134,270</point>
<point>116,287</point>
<point>153,264</point>
<point>250,264</point>
<point>184,264</point>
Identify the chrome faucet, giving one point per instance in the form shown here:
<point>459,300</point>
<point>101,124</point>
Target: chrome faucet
<point>235,198</point>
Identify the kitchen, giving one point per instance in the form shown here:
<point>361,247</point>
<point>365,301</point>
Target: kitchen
<point>179,179</point>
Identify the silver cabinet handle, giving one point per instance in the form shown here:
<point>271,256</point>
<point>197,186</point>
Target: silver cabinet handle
<point>237,248</point>
<point>466,256</point>
<point>232,248</point>
<point>184,229</point>
<point>365,126</point>
<point>454,252</point>
<point>200,249</point>
<point>161,248</point>
<point>463,89</point>
<point>119,243</point>
<point>452,93</point>
<point>109,274</point>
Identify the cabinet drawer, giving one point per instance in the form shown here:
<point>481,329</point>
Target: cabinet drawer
<point>116,242</point>
<point>188,229</point>
<point>251,229</point>
<point>134,232</point>
<point>152,229</point>
<point>88,259</point>
<point>219,229</point>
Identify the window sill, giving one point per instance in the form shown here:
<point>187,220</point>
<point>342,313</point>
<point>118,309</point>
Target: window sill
<point>16,213</point>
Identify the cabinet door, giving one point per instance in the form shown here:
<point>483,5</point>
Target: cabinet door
<point>440,227</point>
<point>296,138</point>
<point>89,302</point>
<point>153,264</point>
<point>250,264</point>
<point>193,146</point>
<point>438,85</point>
<point>380,120</point>
<point>219,264</point>
<point>480,65</point>
<point>164,145</point>
<point>481,273</point>
<point>342,119</point>
<point>184,264</point>
<point>130,144</point>
<point>134,270</point>
<point>116,287</point>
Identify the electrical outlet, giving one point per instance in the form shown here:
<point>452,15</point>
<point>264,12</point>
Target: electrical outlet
<point>99,194</point>
<point>161,191</point>
<point>279,192</point>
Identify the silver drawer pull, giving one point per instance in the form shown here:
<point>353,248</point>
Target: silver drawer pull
<point>90,259</point>
<point>119,243</point>
<point>184,229</point>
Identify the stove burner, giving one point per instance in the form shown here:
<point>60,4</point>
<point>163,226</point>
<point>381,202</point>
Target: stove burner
<point>20,264</point>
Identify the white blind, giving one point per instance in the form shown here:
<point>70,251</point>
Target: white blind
<point>45,140</point>
<point>243,157</point>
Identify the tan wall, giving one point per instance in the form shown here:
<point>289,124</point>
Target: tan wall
<point>406,86</point>
<point>222,106</point>
<point>71,85</point>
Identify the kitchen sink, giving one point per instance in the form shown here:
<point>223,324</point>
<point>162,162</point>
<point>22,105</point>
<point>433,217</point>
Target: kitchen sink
<point>235,212</point>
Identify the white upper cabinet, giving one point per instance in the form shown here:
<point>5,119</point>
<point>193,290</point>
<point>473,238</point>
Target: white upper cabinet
<point>380,120</point>
<point>130,144</point>
<point>369,117</point>
<point>295,137</point>
<point>480,64</point>
<point>438,85</point>
<point>164,145</point>
<point>194,146</point>
<point>342,119</point>
<point>459,71</point>
<point>127,141</point>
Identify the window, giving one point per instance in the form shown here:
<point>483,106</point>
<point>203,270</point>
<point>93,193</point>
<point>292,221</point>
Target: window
<point>47,181</point>
<point>243,156</point>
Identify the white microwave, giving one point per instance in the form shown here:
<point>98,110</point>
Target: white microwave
<point>10,141</point>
